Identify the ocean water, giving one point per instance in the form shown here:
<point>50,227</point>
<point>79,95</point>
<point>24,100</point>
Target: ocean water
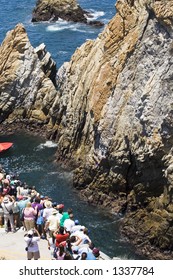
<point>61,38</point>
<point>32,157</point>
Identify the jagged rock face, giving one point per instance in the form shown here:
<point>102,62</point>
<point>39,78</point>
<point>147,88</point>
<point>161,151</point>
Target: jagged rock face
<point>48,64</point>
<point>26,90</point>
<point>54,10</point>
<point>113,114</point>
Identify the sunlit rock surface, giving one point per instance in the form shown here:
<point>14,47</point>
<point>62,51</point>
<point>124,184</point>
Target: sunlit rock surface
<point>111,114</point>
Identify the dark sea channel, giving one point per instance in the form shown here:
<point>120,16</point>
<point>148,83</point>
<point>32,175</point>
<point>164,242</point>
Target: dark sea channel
<point>33,158</point>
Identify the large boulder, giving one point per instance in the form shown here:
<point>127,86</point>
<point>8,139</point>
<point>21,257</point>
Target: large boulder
<point>69,10</point>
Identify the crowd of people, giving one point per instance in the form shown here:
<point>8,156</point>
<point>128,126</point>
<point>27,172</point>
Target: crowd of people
<point>22,206</point>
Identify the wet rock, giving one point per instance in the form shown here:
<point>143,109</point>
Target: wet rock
<point>111,115</point>
<point>68,10</point>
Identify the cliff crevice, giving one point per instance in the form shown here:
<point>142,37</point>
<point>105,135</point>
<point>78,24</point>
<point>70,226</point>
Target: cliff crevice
<point>110,111</point>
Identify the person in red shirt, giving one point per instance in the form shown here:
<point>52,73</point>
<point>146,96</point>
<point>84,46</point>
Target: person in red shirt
<point>60,236</point>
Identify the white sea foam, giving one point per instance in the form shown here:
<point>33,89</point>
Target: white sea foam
<point>62,52</point>
<point>61,25</point>
<point>64,25</point>
<point>47,144</point>
<point>95,15</point>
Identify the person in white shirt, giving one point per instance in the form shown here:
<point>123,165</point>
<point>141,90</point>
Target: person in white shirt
<point>7,206</point>
<point>47,210</point>
<point>69,223</point>
<point>52,223</point>
<point>83,234</point>
<point>77,227</point>
<point>60,209</point>
<point>31,240</point>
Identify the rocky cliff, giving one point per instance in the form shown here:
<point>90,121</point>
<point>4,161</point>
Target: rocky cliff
<point>69,10</point>
<point>111,114</point>
<point>27,80</point>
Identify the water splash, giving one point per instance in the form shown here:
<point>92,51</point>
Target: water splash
<point>62,25</point>
<point>94,15</point>
<point>47,144</point>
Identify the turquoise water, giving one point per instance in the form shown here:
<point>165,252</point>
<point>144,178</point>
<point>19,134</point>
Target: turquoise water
<point>33,159</point>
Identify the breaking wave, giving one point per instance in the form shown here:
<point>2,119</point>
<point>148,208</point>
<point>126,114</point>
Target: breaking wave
<point>47,144</point>
<point>62,25</point>
<point>95,15</point>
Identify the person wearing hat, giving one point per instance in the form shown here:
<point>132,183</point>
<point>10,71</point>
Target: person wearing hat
<point>52,223</point>
<point>96,252</point>
<point>7,206</point>
<point>31,239</point>
<point>47,210</point>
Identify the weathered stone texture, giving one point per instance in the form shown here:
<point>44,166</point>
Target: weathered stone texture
<point>69,10</point>
<point>111,115</point>
<point>26,90</point>
<point>115,115</point>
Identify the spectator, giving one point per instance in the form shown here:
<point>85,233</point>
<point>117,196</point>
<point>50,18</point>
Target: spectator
<point>65,216</point>
<point>7,206</point>
<point>60,236</point>
<point>16,213</point>
<point>32,248</point>
<point>52,223</point>
<point>60,253</point>
<point>69,223</point>
<point>29,216</point>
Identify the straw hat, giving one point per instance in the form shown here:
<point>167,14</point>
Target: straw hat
<point>6,199</point>
<point>54,212</point>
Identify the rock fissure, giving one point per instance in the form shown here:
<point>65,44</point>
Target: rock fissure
<point>110,111</point>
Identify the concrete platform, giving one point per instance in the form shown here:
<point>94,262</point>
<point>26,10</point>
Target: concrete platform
<point>12,246</point>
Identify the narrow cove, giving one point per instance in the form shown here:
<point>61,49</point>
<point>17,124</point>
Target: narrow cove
<point>33,158</point>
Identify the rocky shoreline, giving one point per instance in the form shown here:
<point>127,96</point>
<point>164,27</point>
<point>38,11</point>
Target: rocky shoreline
<point>143,244</point>
<point>110,111</point>
<point>68,10</point>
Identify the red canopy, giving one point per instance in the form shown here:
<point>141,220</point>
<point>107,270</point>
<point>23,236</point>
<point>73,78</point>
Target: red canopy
<point>5,146</point>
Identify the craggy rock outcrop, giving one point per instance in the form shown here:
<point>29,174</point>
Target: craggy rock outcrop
<point>48,64</point>
<point>69,10</point>
<point>111,116</point>
<point>26,90</point>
